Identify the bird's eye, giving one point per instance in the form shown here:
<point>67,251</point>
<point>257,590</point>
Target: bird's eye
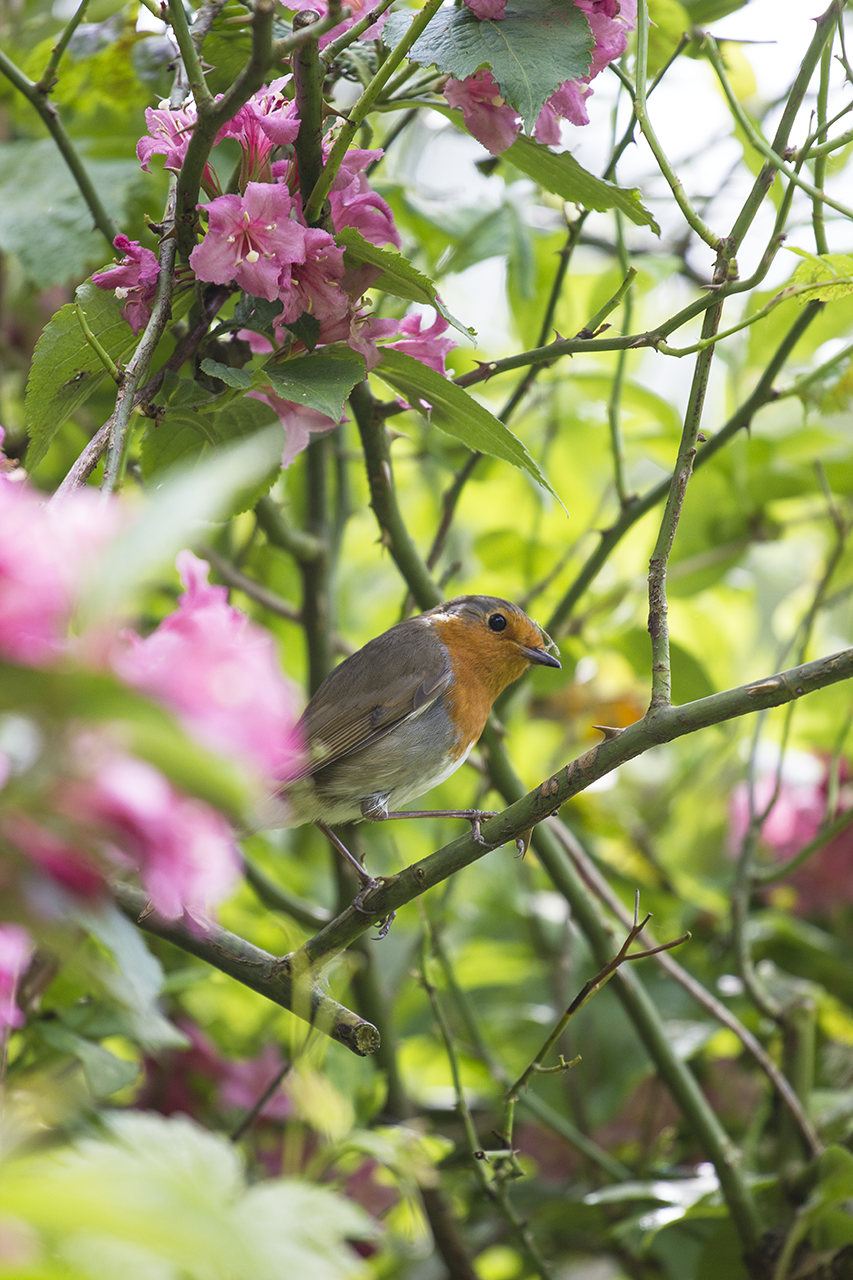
<point>497,622</point>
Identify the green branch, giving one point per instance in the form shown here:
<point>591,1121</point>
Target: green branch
<point>47,79</point>
<point>638,507</point>
<point>336,47</point>
<point>760,144</point>
<point>383,499</point>
<point>255,969</point>
<point>673,181</point>
<point>34,95</point>
<point>137,368</point>
<point>358,112</point>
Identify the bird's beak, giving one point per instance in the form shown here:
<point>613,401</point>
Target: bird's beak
<point>540,656</point>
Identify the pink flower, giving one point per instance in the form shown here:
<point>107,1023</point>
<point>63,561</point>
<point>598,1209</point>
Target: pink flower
<point>183,850</point>
<point>217,670</point>
<point>16,951</point>
<point>369,214</point>
<point>569,102</point>
<point>134,278</point>
<point>354,203</point>
<point>358,9</point>
<point>46,553</point>
<point>267,120</point>
<point>487,8</point>
<point>315,284</point>
<point>425,344</point>
<point>299,422</point>
<point>68,865</point>
<point>252,240</point>
<point>170,136</point>
<point>492,121</point>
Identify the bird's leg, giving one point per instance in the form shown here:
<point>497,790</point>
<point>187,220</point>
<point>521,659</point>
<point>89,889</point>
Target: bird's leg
<point>474,816</point>
<point>368,884</point>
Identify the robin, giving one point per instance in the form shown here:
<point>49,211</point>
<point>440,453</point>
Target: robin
<point>402,714</point>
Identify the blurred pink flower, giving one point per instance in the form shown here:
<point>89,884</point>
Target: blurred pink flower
<point>244,1080</point>
<point>45,555</point>
<point>217,670</point>
<point>299,422</point>
<point>68,865</point>
<point>183,850</point>
<point>490,119</point>
<point>16,951</point>
<point>826,880</point>
<point>170,133</point>
<point>487,8</point>
<point>423,344</point>
<point>134,278</point>
<point>252,240</point>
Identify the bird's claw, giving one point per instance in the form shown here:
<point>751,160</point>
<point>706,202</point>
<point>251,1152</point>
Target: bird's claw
<point>384,922</point>
<point>367,888</point>
<point>475,817</point>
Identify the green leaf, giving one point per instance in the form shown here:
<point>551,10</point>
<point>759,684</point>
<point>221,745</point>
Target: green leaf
<point>241,379</point>
<point>167,1186</point>
<point>65,370</point>
<point>455,412</point>
<point>104,1072</point>
<point>831,274</point>
<point>136,980</point>
<point>46,222</point>
<point>561,174</point>
<point>835,1169</point>
<point>398,276</point>
<point>532,50</point>
<point>322,381</point>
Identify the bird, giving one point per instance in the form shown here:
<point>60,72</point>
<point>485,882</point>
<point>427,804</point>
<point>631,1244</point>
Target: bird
<point>402,714</point>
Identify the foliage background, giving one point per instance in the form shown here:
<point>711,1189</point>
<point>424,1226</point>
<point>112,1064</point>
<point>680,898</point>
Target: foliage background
<point>616,1183</point>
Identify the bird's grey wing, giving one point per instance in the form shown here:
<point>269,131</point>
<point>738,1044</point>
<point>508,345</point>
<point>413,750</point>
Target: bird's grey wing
<point>345,722</point>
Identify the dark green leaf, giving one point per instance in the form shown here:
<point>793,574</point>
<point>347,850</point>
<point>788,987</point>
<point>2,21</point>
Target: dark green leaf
<point>398,276</point>
<point>306,329</point>
<point>532,50</point>
<point>562,174</point>
<point>457,413</point>
<point>322,381</point>
<point>256,313</point>
<point>65,370</point>
<point>241,379</point>
<point>46,222</point>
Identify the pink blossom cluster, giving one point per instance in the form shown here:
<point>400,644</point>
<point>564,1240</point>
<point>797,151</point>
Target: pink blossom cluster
<point>795,818</point>
<point>257,239</point>
<point>105,810</point>
<point>496,124</point>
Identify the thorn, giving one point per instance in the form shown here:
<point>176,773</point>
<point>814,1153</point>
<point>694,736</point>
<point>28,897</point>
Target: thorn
<point>608,730</point>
